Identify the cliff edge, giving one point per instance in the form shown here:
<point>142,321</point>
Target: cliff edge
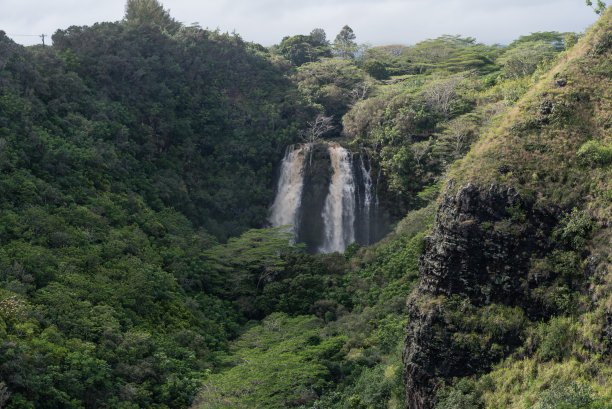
<point>522,232</point>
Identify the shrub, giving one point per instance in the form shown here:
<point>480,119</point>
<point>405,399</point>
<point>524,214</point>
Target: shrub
<point>571,396</point>
<point>376,69</point>
<point>594,153</point>
<point>556,339</point>
<point>525,125</point>
<point>575,229</point>
<point>513,90</point>
<point>463,396</point>
<point>377,387</point>
<point>603,44</point>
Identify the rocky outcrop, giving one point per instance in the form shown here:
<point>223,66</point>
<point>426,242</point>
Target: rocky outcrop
<point>482,243</point>
<point>480,250</point>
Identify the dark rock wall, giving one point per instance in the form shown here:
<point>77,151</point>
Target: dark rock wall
<point>482,243</point>
<point>317,176</point>
<point>480,249</point>
<point>371,223</point>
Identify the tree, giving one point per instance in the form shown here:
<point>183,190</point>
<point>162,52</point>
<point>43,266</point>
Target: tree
<point>387,55</point>
<point>401,168</point>
<point>296,49</point>
<point>329,83</point>
<point>276,364</point>
<point>599,8</point>
<point>524,58</point>
<point>457,136</point>
<point>376,69</point>
<point>251,260</point>
<point>318,37</point>
<point>570,40</point>
<point>345,46</point>
<point>440,94</point>
<point>360,92</point>
<point>554,38</point>
<point>419,150</point>
<point>316,129</point>
<point>140,12</point>
<point>301,49</point>
<point>451,53</point>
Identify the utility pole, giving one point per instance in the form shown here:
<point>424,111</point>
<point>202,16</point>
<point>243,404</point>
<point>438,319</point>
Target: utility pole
<point>43,38</point>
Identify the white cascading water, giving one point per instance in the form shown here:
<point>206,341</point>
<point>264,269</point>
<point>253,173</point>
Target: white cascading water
<point>367,199</point>
<point>376,202</point>
<point>339,209</point>
<point>284,210</point>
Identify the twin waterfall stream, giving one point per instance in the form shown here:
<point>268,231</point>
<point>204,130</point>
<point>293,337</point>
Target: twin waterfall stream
<point>327,197</point>
<point>284,210</point>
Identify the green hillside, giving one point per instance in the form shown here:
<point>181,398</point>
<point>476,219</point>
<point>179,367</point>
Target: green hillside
<point>126,150</point>
<point>513,304</point>
<point>138,163</point>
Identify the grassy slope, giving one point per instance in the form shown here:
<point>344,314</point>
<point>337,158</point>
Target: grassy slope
<point>546,155</point>
<point>543,156</point>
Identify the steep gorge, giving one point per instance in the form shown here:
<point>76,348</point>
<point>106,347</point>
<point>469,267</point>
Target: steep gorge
<point>131,158</point>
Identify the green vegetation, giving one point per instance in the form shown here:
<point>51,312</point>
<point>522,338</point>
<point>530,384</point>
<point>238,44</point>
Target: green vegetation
<point>559,157</point>
<point>279,363</point>
<point>344,44</point>
<point>300,49</point>
<point>124,150</point>
<point>599,8</point>
<point>137,164</point>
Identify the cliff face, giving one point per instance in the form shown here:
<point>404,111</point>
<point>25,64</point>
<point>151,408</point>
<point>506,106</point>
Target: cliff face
<point>481,244</point>
<point>513,244</point>
<point>479,250</point>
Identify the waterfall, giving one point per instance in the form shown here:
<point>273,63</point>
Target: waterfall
<point>331,202</point>
<point>339,209</point>
<point>367,197</point>
<point>284,210</point>
<point>377,203</point>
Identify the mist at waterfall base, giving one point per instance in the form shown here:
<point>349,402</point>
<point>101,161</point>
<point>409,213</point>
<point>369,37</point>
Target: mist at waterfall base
<point>329,197</point>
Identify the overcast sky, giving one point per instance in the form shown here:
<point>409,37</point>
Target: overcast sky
<point>376,22</point>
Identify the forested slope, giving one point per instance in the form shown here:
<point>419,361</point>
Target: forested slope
<point>135,156</point>
<point>192,119</point>
<point>125,148</point>
<point>496,276</point>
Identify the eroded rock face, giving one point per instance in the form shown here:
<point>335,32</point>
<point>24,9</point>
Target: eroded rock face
<point>481,244</point>
<point>480,249</point>
<point>424,358</point>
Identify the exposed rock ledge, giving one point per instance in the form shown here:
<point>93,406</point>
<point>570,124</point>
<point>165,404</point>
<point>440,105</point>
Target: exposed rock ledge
<point>480,248</point>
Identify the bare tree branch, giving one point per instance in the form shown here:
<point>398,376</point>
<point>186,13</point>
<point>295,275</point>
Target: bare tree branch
<point>440,94</point>
<point>316,129</point>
